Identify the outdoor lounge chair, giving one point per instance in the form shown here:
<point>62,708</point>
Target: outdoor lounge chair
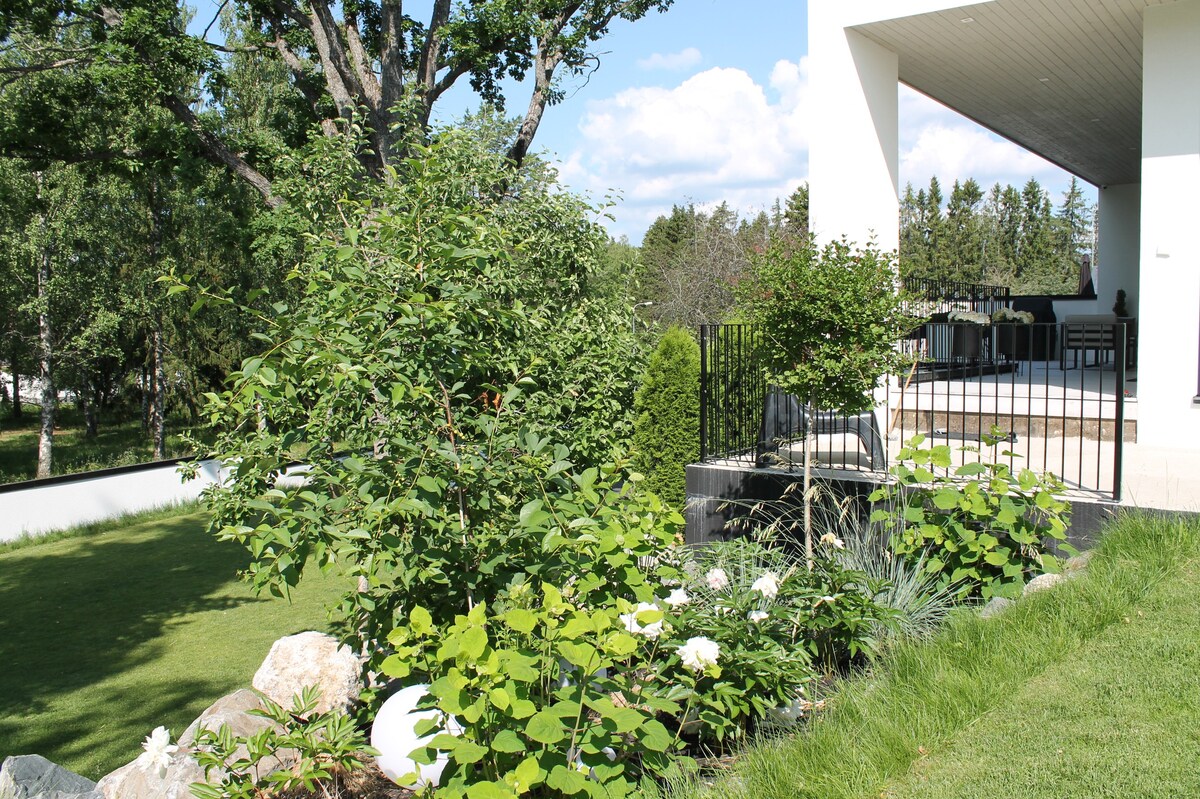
<point>785,421</point>
<point>1096,333</point>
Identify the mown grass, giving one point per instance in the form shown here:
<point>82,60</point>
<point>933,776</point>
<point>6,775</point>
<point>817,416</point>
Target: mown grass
<point>104,636</point>
<point>117,443</point>
<point>1084,691</point>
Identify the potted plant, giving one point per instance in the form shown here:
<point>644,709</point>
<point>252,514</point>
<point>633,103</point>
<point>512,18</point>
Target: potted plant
<point>1012,333</point>
<point>969,328</point>
<point>1120,309</point>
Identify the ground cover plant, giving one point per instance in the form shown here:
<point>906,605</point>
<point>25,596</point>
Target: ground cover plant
<point>107,635</point>
<point>1056,697</point>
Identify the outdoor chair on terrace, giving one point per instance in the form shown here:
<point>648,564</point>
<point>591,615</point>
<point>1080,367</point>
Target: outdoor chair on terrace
<point>785,423</point>
<point>1096,333</point>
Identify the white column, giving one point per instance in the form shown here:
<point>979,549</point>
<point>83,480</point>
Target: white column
<point>854,146</point>
<point>1118,245</point>
<point>1169,300</point>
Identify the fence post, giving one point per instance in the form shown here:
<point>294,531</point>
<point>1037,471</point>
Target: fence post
<point>1120,337</point>
<point>703,393</point>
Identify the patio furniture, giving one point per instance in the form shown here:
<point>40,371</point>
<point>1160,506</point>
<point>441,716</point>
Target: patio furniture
<point>785,419</point>
<point>1096,333</point>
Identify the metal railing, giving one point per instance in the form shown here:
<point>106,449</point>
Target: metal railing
<point>943,296</point>
<point>1056,392</point>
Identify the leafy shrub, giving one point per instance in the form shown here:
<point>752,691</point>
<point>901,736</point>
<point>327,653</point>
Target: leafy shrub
<point>559,677</point>
<point>666,434</point>
<point>983,526</point>
<point>325,746</point>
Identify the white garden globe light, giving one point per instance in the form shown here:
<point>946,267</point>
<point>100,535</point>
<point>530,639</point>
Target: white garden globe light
<point>394,736</point>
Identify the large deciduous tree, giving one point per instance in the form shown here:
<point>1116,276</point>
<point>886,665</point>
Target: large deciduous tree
<point>369,61</point>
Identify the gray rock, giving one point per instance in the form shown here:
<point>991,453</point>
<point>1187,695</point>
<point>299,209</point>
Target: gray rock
<point>35,777</point>
<point>141,779</point>
<point>311,658</point>
<point>232,710</point>
<point>995,607</point>
<point>1041,583</point>
<point>1079,562</point>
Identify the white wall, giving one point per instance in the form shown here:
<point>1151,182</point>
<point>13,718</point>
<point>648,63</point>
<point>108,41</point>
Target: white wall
<point>854,146</point>
<point>1169,288</point>
<point>59,505</point>
<point>1119,245</point>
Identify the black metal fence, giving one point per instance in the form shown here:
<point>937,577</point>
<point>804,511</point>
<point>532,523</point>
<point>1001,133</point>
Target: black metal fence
<point>1056,392</point>
<point>950,295</point>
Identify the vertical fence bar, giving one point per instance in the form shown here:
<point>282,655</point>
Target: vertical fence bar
<point>703,393</point>
<point>1122,342</point>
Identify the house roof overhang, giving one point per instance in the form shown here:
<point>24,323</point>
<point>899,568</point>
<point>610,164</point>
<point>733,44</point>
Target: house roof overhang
<point>1062,78</point>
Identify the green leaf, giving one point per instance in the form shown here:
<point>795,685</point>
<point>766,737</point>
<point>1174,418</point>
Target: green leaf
<point>527,774</point>
<point>508,741</point>
<point>420,620</point>
<point>655,737</point>
<point>488,790</point>
<point>566,779</point>
<point>545,727</point>
<point>521,620</point>
<point>468,752</point>
<point>473,642</point>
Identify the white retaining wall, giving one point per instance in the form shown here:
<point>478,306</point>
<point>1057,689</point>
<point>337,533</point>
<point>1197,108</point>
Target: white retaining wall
<point>58,503</point>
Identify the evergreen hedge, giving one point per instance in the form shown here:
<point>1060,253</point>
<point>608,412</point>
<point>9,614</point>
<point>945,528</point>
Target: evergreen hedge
<point>666,434</point>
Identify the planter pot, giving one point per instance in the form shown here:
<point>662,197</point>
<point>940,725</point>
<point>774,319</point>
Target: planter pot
<point>967,341</point>
<point>1013,341</point>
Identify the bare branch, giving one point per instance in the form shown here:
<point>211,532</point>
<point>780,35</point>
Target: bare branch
<point>218,152</point>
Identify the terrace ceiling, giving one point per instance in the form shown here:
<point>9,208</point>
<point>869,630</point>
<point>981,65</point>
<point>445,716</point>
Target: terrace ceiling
<point>1062,78</point>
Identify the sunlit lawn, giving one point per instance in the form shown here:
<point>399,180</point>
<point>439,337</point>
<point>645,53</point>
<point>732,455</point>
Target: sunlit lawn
<point>105,636</point>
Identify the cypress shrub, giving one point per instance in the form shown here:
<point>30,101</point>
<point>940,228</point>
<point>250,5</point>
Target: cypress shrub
<point>666,435</point>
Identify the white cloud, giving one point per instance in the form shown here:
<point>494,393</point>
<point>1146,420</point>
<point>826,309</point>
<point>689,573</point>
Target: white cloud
<point>936,141</point>
<point>721,136</point>
<point>673,62</point>
<point>716,136</point>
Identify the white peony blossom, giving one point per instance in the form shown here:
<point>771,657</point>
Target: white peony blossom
<point>758,615</point>
<point>630,620</point>
<point>159,749</point>
<point>678,598</point>
<point>767,585</point>
<point>833,540</point>
<point>717,579</point>
<point>699,653</point>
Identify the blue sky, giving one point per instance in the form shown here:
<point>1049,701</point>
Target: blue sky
<point>709,102</point>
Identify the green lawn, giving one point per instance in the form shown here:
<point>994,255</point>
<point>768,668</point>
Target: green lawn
<point>116,444</point>
<point>105,636</point>
<point>1089,690</point>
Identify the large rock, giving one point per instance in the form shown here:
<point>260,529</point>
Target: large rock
<point>35,777</point>
<point>141,779</point>
<point>1041,583</point>
<point>232,710</point>
<point>310,658</point>
<point>995,607</point>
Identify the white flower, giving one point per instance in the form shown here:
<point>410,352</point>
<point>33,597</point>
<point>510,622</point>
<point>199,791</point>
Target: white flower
<point>827,599</point>
<point>767,585</point>
<point>717,579</point>
<point>159,749</point>
<point>758,615</point>
<point>630,620</point>
<point>677,598</point>
<point>722,609</point>
<point>833,540</point>
<point>699,653</point>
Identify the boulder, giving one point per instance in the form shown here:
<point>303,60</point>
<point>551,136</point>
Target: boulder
<point>35,777</point>
<point>232,709</point>
<point>995,607</point>
<point>1042,582</point>
<point>310,658</point>
<point>1078,563</point>
<point>141,779</point>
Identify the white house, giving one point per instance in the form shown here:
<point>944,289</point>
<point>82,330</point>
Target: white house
<point>1107,89</point>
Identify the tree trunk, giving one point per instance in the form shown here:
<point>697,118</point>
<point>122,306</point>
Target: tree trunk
<point>45,367</point>
<point>17,413</point>
<point>87,400</point>
<point>158,405</point>
<point>145,384</point>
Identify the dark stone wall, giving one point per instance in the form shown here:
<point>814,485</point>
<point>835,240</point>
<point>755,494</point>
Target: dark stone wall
<point>718,495</point>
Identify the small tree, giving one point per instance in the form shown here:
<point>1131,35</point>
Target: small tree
<point>667,431</point>
<point>830,319</point>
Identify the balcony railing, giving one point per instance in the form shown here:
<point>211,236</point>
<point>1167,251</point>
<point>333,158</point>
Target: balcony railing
<point>1055,391</point>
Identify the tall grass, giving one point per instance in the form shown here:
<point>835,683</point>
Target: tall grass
<point>921,694</point>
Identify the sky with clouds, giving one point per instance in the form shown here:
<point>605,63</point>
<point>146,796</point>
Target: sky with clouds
<point>709,102</point>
